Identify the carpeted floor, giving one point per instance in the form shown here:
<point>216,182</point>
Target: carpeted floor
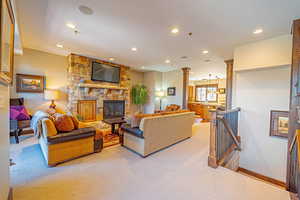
<point>177,173</point>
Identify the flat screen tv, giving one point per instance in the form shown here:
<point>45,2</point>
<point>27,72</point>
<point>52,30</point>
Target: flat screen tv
<point>105,73</point>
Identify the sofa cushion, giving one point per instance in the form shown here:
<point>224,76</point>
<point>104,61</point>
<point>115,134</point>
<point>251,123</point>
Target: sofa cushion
<point>134,131</point>
<point>73,135</point>
<point>48,128</point>
<point>63,123</point>
<point>19,113</point>
<point>136,119</point>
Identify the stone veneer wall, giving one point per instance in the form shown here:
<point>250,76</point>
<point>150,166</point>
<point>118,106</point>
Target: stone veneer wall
<point>80,70</point>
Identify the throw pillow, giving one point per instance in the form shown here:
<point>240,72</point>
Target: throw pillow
<point>172,107</point>
<point>48,128</point>
<point>63,123</point>
<point>19,113</point>
<point>75,121</point>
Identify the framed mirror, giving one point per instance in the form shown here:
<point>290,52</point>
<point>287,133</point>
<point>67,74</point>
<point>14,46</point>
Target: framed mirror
<point>7,31</point>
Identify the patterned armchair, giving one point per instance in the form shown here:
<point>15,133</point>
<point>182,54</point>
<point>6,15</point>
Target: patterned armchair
<point>16,126</point>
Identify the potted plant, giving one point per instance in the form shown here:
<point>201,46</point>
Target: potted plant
<point>139,95</point>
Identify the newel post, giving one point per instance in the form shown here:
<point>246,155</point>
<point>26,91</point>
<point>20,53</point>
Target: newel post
<point>212,158</point>
<point>229,79</point>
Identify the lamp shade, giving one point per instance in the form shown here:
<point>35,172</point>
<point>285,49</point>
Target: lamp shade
<point>160,94</point>
<point>51,94</point>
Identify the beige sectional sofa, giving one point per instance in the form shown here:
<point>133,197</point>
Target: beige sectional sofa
<point>158,132</point>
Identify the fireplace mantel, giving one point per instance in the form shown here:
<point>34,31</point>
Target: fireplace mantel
<point>91,85</point>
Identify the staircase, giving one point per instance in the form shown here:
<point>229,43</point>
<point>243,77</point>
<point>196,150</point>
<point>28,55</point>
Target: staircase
<point>225,143</point>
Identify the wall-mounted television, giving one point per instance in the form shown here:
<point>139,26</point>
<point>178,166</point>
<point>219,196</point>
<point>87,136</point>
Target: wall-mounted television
<point>105,73</point>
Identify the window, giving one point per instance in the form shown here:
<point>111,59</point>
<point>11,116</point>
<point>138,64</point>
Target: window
<point>207,93</point>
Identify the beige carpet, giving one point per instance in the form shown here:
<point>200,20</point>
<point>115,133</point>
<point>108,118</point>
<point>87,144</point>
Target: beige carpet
<point>177,173</point>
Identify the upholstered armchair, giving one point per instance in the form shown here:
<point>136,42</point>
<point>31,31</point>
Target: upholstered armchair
<point>17,126</point>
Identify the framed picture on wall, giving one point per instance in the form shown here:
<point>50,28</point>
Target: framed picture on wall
<point>279,123</point>
<point>30,83</point>
<point>171,91</point>
<point>7,31</point>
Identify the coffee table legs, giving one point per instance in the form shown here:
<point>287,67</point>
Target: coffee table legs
<point>113,128</point>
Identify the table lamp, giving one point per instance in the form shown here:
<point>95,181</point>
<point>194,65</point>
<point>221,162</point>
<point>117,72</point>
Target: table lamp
<point>51,95</point>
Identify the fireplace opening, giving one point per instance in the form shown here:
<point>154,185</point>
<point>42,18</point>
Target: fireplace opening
<point>113,109</point>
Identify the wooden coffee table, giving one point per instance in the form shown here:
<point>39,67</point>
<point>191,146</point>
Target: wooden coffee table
<point>113,123</point>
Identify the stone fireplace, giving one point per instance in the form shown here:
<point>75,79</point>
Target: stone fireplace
<point>81,87</point>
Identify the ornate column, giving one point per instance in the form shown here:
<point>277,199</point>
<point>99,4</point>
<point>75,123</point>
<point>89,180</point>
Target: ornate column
<point>229,78</point>
<point>186,77</point>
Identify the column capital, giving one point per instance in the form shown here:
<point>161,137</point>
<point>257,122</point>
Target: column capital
<point>229,62</point>
<point>186,69</point>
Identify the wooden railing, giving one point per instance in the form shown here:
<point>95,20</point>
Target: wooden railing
<point>294,151</point>
<point>224,137</point>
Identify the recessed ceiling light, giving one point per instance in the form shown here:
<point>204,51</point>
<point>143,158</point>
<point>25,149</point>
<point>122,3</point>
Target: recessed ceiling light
<point>111,59</point>
<point>167,61</point>
<point>175,30</point>
<point>70,25</point>
<point>258,31</point>
<point>59,45</point>
<point>133,49</point>
<point>85,10</point>
<point>205,52</point>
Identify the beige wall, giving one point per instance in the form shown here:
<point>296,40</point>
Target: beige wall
<point>53,67</point>
<point>257,93</point>
<point>262,84</point>
<point>173,79</point>
<point>267,53</point>
<point>4,142</point>
<point>153,81</point>
<point>161,81</point>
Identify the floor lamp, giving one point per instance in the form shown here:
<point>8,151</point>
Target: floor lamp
<point>160,95</point>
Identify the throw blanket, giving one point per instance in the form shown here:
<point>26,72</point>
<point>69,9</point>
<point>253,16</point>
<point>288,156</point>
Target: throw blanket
<point>36,122</point>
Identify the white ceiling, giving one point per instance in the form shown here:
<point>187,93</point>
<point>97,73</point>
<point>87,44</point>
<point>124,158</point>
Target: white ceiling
<point>118,25</point>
